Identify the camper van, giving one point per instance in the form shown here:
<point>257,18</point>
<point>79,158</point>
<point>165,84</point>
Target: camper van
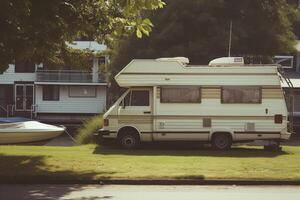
<point>223,103</point>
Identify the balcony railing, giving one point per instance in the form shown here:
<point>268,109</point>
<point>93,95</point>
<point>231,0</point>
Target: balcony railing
<point>65,76</point>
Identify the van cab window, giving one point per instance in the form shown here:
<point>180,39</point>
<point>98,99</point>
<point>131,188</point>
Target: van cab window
<point>137,98</point>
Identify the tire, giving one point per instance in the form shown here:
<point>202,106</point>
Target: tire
<point>221,141</point>
<point>129,140</point>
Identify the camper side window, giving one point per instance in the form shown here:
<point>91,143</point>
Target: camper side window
<point>137,98</point>
<point>180,95</point>
<point>240,94</point>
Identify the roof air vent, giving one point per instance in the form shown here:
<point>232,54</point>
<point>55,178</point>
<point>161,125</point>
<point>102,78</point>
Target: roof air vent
<point>227,61</point>
<point>183,60</point>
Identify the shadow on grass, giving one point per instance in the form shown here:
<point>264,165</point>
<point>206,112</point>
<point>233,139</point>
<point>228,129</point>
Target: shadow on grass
<point>186,149</point>
<point>33,169</point>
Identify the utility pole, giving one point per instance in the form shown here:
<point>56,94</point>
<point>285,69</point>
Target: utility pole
<point>229,45</point>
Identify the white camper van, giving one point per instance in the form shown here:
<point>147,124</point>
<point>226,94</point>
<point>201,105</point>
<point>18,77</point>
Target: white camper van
<point>222,103</point>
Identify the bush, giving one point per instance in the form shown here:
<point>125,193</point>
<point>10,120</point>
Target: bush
<point>89,127</point>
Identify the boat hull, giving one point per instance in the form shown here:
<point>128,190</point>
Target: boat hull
<point>15,138</point>
<point>28,132</point>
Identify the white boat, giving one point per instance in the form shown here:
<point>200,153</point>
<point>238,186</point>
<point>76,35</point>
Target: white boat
<point>28,132</point>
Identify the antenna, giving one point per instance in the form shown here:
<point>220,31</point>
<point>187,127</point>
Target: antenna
<point>230,33</point>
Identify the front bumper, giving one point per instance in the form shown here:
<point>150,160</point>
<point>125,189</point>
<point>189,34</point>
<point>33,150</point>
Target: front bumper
<point>104,136</point>
<point>285,136</point>
<point>103,132</point>
<point>98,137</point>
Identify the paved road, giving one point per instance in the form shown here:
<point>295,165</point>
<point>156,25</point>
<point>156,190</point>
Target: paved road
<point>124,192</point>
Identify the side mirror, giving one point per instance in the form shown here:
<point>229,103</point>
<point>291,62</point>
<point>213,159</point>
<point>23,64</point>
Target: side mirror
<point>123,104</point>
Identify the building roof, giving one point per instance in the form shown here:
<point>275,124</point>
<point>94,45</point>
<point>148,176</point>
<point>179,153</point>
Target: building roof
<point>70,83</point>
<point>295,82</point>
<point>293,77</point>
<point>87,45</point>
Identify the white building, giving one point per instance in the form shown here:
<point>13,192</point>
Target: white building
<point>70,96</point>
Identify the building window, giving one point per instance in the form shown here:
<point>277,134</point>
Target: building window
<point>82,91</point>
<point>241,94</point>
<point>284,61</point>
<point>137,98</point>
<point>102,60</point>
<point>4,96</point>
<point>180,95</point>
<point>295,98</point>
<point>51,93</point>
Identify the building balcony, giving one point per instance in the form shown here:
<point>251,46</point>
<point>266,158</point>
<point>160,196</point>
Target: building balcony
<point>69,76</point>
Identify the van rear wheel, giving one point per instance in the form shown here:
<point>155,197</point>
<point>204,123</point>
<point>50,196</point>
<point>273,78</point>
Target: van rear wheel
<point>129,141</point>
<point>221,141</point>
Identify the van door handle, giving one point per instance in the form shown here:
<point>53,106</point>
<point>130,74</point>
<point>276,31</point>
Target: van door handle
<point>147,112</point>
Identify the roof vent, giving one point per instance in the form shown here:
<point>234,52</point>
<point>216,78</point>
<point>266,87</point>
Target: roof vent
<point>183,60</point>
<point>227,61</point>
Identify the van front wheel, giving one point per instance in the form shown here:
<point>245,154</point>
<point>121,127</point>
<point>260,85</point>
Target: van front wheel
<point>129,141</point>
<point>221,141</point>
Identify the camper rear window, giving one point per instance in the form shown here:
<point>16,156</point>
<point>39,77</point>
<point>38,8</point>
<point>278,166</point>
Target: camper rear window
<point>180,95</point>
<point>238,94</point>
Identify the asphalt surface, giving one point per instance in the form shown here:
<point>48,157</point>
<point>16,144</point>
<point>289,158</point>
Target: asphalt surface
<point>135,192</point>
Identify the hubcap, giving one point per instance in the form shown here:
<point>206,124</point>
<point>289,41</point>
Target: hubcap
<point>128,141</point>
<point>221,141</point>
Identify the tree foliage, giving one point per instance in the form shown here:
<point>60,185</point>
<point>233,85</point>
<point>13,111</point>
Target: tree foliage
<point>199,30</point>
<point>36,30</point>
<point>75,59</point>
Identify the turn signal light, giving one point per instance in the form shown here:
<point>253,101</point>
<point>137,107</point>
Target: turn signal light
<point>106,122</point>
<point>278,119</point>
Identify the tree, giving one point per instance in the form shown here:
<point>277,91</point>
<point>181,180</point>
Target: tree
<point>199,30</point>
<point>36,30</point>
<point>75,59</point>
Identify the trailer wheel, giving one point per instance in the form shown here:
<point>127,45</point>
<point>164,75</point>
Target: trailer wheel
<point>129,139</point>
<point>221,141</point>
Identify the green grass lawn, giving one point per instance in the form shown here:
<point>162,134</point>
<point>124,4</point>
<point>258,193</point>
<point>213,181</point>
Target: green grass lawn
<point>93,162</point>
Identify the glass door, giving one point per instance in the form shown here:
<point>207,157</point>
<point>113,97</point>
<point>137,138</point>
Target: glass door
<point>24,97</point>
<point>28,97</point>
<point>19,97</point>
